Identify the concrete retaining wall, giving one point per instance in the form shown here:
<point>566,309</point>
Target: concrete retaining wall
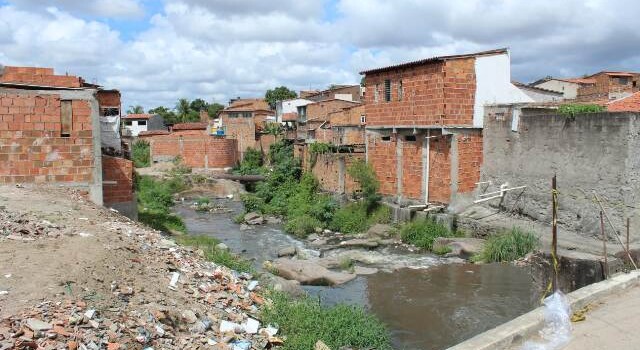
<point>591,152</point>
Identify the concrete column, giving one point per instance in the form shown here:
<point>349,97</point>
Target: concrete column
<point>425,168</point>
<point>366,146</point>
<point>453,156</point>
<point>95,188</point>
<point>399,166</point>
<point>341,175</point>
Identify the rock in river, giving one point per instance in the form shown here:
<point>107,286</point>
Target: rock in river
<point>287,251</point>
<point>310,272</point>
<point>462,247</point>
<point>253,218</point>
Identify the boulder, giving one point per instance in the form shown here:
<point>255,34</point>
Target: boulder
<point>288,251</point>
<point>253,218</point>
<point>273,220</point>
<point>310,272</point>
<point>460,246</point>
<point>222,246</point>
<point>362,270</point>
<point>291,287</point>
<point>380,230</point>
<point>360,243</point>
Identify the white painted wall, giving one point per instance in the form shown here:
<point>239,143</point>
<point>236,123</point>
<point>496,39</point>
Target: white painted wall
<point>289,106</point>
<point>493,85</point>
<point>570,90</point>
<point>135,128</point>
<point>541,96</point>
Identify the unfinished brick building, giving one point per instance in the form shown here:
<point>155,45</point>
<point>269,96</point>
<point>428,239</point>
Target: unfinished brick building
<point>608,86</point>
<point>244,120</point>
<point>424,123</point>
<point>50,133</point>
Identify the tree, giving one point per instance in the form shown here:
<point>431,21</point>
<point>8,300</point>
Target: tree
<point>168,115</point>
<point>198,104</point>
<point>184,112</point>
<point>279,94</point>
<point>137,109</point>
<point>214,109</point>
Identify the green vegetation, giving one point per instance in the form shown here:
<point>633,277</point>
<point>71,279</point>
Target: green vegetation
<point>141,154</point>
<point>187,111</point>
<point>289,193</point>
<point>422,233</point>
<point>280,93</point>
<point>571,109</point>
<point>508,246</point>
<point>251,164</point>
<point>441,250</point>
<point>137,109</point>
<point>212,253</point>
<point>155,198</point>
<point>305,321</point>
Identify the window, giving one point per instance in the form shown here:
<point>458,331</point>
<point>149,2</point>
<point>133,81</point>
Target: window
<point>363,119</point>
<point>386,138</point>
<point>400,92</point>
<point>127,122</point>
<point>376,93</point>
<point>142,122</point>
<point>246,114</point>
<point>410,138</point>
<point>302,113</point>
<point>623,80</point>
<point>109,111</point>
<point>634,83</point>
<point>66,118</point>
<point>387,90</point>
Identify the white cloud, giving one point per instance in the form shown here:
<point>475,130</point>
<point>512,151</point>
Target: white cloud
<point>100,8</point>
<point>218,49</point>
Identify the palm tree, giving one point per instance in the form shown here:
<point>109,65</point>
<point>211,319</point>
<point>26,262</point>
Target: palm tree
<point>137,109</point>
<point>183,108</point>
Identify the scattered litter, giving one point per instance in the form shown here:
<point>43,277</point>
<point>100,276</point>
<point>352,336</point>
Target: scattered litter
<point>271,330</point>
<point>4,292</point>
<point>252,285</point>
<point>89,314</point>
<point>557,324</point>
<point>7,275</point>
<point>240,345</point>
<point>84,234</point>
<point>174,280</point>
<point>251,326</point>
<point>226,326</point>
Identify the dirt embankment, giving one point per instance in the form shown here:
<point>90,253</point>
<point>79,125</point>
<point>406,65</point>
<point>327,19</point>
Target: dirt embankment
<point>97,280</point>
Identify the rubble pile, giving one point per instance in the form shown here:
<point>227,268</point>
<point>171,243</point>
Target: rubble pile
<point>146,292</point>
<point>23,227</point>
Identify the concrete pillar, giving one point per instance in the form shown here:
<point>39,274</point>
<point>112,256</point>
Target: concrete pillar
<point>95,188</point>
<point>453,156</point>
<point>399,166</point>
<point>425,168</point>
<point>366,146</point>
<point>341,175</point>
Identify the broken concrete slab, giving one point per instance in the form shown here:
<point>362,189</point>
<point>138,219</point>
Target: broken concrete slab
<point>37,325</point>
<point>310,272</point>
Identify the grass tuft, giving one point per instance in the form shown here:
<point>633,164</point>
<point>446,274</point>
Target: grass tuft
<point>213,254</point>
<point>508,246</point>
<point>422,233</point>
<point>155,199</point>
<point>304,321</point>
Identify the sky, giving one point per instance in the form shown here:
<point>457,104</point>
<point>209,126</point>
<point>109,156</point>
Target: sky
<point>157,51</point>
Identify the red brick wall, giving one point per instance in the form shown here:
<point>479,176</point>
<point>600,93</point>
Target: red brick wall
<point>422,102</point>
<point>469,160</point>
<point>38,76</point>
<point>108,98</point>
<point>320,110</point>
<point>117,177</point>
<point>195,149</point>
<point>382,156</point>
<point>605,85</point>
<point>433,94</point>
<point>440,169</point>
<point>412,169</point>
<point>327,171</point>
<point>241,129</point>
<point>31,147</point>
<point>347,116</point>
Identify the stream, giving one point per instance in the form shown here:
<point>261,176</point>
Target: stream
<point>428,302</point>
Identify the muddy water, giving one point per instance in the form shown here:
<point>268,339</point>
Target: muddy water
<point>427,302</point>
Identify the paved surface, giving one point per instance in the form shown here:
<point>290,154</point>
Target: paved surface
<point>612,325</point>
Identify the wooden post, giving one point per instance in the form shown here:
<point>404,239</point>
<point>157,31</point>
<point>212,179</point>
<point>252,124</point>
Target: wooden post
<point>554,231</point>
<point>628,225</point>
<point>605,267</point>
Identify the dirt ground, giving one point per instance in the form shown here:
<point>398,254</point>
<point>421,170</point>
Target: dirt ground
<point>56,248</point>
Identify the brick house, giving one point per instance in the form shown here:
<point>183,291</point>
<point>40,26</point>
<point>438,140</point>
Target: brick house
<point>339,92</point>
<point>50,132</point>
<point>347,126</point>
<point>315,115</point>
<point>609,86</point>
<point>626,104</point>
<point>134,124</point>
<point>567,87</point>
<point>194,144</point>
<point>424,123</point>
<point>245,120</point>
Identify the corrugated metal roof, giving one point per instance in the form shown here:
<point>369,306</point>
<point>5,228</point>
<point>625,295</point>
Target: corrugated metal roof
<point>435,59</point>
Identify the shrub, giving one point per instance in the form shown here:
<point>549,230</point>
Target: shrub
<point>141,154</point>
<point>251,163</point>
<point>302,225</point>
<point>352,218</point>
<point>572,109</point>
<point>304,321</point>
<point>155,199</point>
<point>380,215</point>
<point>422,233</point>
<point>213,254</point>
<point>508,246</point>
<point>365,176</point>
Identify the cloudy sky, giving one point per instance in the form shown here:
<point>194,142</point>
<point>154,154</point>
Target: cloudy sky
<point>156,51</point>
